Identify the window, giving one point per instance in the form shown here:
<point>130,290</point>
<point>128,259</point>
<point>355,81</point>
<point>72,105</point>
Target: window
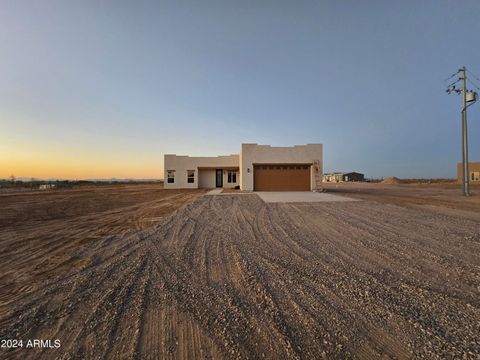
<point>170,176</point>
<point>232,177</point>
<point>190,176</point>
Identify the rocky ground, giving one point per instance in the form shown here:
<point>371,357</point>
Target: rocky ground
<point>232,277</point>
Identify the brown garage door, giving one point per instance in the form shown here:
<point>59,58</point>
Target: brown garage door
<point>287,177</point>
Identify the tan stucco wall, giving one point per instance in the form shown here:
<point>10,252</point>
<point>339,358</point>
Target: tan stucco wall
<point>251,154</point>
<point>228,185</point>
<point>182,163</point>
<point>473,167</point>
<point>206,179</point>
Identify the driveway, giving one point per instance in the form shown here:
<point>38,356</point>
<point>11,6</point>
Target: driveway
<point>300,196</point>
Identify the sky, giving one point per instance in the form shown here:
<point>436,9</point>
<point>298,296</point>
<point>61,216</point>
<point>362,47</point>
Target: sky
<point>101,89</point>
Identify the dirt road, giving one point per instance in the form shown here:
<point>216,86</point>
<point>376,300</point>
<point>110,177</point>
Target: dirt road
<point>232,277</point>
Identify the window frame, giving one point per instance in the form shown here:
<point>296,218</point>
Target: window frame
<point>231,175</point>
<point>190,176</point>
<point>171,176</point>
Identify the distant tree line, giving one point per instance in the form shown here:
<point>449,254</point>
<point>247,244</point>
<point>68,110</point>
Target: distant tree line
<point>14,183</point>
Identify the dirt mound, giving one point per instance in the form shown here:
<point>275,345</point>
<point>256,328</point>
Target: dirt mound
<point>392,181</point>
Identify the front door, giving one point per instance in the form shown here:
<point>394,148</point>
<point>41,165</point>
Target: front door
<point>219,178</point>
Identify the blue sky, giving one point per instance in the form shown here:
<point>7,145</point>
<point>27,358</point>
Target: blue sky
<point>105,88</point>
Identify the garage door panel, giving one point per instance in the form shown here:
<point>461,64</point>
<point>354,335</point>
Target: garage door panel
<point>281,177</point>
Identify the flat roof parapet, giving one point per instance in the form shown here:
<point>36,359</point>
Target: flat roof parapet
<point>188,156</point>
<point>283,147</point>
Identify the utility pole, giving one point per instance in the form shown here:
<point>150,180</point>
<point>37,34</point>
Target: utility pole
<point>468,98</point>
<point>465,179</point>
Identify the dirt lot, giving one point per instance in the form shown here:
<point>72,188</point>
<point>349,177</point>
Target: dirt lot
<point>42,233</point>
<point>445,198</point>
<point>232,277</point>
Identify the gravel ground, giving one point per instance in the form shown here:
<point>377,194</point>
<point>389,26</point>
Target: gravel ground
<point>233,277</point>
<point>43,233</point>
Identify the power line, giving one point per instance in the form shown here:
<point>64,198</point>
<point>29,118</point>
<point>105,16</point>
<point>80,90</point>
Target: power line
<point>451,76</point>
<point>471,73</point>
<point>474,84</point>
<point>454,83</point>
<point>451,87</point>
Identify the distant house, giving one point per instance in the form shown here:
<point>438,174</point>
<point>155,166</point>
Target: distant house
<point>473,172</point>
<point>333,177</point>
<point>47,186</point>
<point>343,177</point>
<point>353,176</point>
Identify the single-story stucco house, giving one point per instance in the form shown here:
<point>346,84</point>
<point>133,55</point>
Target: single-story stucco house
<point>256,168</point>
<point>341,177</point>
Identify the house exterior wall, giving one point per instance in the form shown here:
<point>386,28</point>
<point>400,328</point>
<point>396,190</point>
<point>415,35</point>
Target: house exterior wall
<point>206,179</point>
<point>473,172</point>
<point>182,163</point>
<point>228,185</point>
<point>251,154</point>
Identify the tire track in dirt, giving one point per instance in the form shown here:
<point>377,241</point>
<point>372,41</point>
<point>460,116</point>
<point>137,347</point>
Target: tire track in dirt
<point>44,234</point>
<point>233,277</point>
